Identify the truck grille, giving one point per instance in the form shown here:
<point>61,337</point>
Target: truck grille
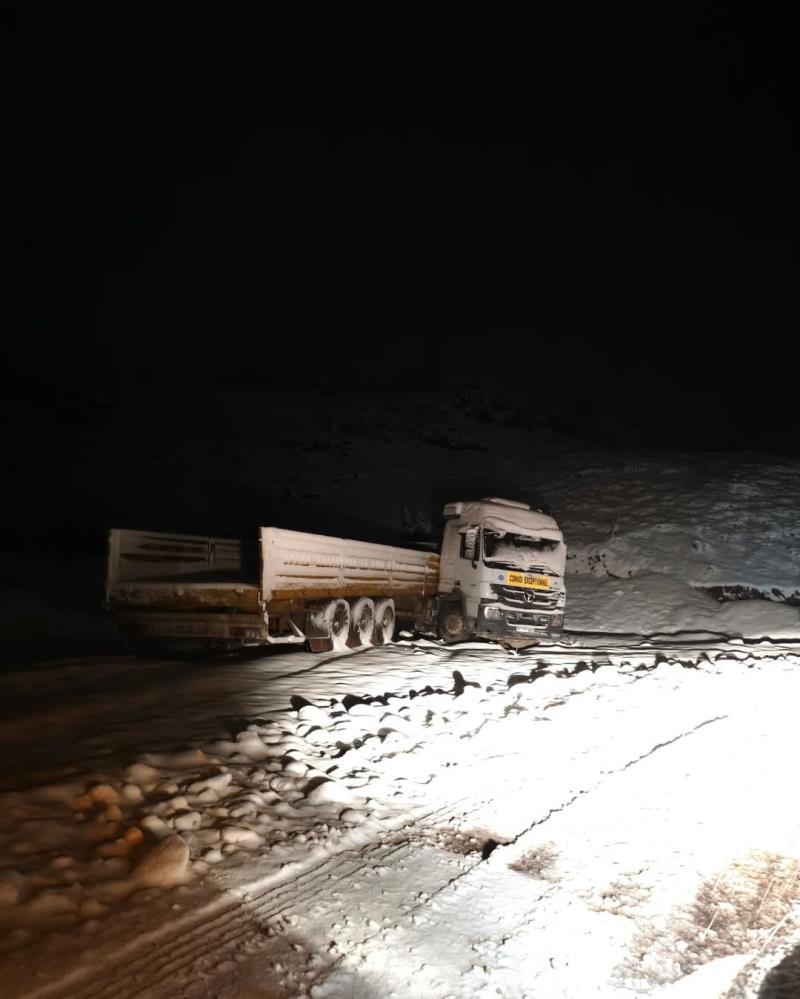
<point>525,598</point>
<point>534,620</point>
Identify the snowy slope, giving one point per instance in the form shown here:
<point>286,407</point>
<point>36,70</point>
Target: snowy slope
<point>661,604</point>
<point>710,521</point>
<point>380,467</point>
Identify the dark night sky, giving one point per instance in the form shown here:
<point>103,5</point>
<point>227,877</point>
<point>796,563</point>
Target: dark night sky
<point>201,194</point>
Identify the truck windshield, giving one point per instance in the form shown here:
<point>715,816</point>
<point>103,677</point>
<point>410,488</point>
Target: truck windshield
<point>502,550</point>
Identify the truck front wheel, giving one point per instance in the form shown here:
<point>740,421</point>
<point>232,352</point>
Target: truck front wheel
<point>452,623</point>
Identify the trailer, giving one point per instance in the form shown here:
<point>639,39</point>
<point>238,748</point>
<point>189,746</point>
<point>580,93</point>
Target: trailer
<point>291,587</point>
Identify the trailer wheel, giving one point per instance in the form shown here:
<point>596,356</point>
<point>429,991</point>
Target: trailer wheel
<point>337,617</point>
<point>362,622</point>
<point>385,619</point>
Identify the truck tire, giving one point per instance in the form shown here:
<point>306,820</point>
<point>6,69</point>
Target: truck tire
<point>362,622</point>
<point>452,625</point>
<point>385,619</point>
<point>337,617</point>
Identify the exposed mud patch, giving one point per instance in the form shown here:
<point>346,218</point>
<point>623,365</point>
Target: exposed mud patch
<point>464,841</point>
<point>540,862</point>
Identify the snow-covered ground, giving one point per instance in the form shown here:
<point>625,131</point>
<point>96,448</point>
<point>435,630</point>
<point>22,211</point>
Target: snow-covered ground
<point>415,820</point>
<point>611,817</point>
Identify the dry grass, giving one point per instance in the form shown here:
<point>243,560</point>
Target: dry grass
<point>623,897</point>
<point>740,911</point>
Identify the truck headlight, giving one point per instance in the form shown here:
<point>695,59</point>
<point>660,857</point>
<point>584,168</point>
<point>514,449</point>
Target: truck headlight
<point>493,614</point>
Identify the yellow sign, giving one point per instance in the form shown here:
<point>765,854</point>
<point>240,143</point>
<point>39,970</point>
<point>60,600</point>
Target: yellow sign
<point>533,582</point>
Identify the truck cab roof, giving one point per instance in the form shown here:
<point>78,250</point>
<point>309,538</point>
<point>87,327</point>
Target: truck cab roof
<point>503,515</point>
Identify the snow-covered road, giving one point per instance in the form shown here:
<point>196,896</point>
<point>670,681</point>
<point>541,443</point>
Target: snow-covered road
<point>413,820</point>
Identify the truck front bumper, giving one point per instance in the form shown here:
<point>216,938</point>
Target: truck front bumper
<point>498,622</point>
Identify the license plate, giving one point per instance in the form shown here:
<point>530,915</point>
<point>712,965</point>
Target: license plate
<point>532,582</point>
<point>525,629</point>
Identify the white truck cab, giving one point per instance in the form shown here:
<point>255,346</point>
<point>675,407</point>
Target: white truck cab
<point>501,572</point>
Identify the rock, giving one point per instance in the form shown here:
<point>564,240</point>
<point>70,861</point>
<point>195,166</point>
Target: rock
<point>216,783</point>
<point>330,792</point>
<point>251,746</point>
<point>153,824</point>
<point>364,710</point>
<point>240,836</point>
<point>188,821</point>
<point>63,862</point>
<point>313,715</point>
<point>92,909</point>
<point>133,836</point>
<point>131,794</point>
<point>52,902</point>
<point>243,809</point>
<point>165,865</point>
<point>353,817</point>
<point>114,867</point>
<point>143,773</point>
<point>177,804</point>
<point>281,784</point>
<point>206,837</point>
<point>167,788</point>
<point>12,886</point>
<point>101,832</point>
<point>122,846</point>
<point>104,794</point>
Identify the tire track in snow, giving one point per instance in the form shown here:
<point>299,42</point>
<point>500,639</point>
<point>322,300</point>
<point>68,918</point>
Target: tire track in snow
<point>482,862</point>
<point>217,930</point>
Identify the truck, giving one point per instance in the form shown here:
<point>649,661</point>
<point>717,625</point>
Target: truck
<point>499,575</point>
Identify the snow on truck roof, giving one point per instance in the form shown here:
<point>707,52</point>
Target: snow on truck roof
<point>504,515</point>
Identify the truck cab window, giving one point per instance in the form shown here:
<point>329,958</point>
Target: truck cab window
<point>503,550</point>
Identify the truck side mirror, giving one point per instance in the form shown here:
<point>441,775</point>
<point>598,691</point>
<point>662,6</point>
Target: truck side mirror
<point>470,544</point>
